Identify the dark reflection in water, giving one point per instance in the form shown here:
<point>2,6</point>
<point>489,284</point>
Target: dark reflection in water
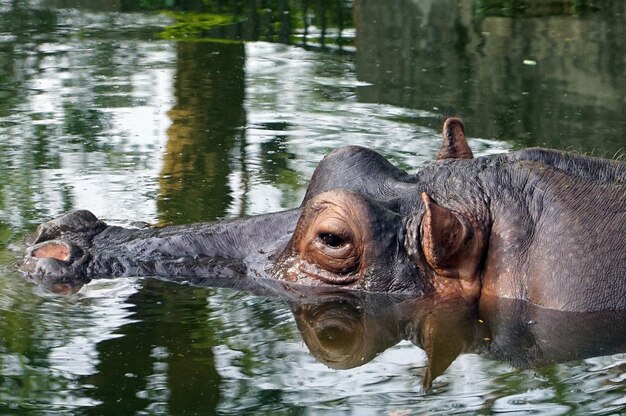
<point>208,121</point>
<point>165,352</point>
<point>345,330</point>
<point>543,78</point>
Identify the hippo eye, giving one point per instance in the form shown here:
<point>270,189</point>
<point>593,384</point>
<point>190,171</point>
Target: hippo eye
<point>331,240</point>
<point>334,246</point>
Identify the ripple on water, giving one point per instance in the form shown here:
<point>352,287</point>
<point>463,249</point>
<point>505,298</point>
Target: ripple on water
<point>82,122</point>
<point>49,343</point>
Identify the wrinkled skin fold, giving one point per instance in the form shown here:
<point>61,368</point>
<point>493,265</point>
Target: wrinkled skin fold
<point>537,225</point>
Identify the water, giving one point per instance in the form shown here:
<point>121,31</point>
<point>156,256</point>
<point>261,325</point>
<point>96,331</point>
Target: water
<point>103,107</point>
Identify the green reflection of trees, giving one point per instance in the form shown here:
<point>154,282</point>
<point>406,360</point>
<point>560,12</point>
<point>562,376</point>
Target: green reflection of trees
<point>33,137</point>
<point>276,162</point>
<point>85,127</point>
<point>207,122</point>
<point>30,328</point>
<point>542,77</point>
<point>20,153</point>
<point>192,26</point>
<point>163,361</point>
<point>284,21</point>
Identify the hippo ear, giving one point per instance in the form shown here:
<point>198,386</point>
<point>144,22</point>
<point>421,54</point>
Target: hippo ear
<point>451,247</point>
<point>454,145</point>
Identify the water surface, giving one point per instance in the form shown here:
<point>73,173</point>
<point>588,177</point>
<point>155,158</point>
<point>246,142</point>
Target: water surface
<point>103,106</point>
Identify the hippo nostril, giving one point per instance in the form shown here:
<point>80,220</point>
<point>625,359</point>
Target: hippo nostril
<point>52,249</point>
<point>60,250</point>
<point>55,262</point>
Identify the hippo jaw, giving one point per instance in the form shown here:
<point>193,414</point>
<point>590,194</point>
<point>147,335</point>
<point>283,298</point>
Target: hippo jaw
<point>77,247</point>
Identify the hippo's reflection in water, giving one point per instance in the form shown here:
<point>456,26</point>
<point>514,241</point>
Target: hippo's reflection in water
<point>348,329</point>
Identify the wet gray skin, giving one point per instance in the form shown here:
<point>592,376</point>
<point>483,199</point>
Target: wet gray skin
<point>539,225</point>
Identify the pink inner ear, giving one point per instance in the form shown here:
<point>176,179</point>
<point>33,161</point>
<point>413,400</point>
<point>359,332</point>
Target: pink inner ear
<point>52,250</point>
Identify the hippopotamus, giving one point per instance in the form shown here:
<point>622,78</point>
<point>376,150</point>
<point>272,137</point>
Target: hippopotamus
<point>543,226</point>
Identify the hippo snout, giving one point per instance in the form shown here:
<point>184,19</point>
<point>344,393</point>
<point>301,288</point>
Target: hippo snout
<point>57,252</point>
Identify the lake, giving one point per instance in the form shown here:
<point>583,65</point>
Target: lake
<point>173,112</point>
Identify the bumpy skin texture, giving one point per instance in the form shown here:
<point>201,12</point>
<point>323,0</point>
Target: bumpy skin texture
<point>539,225</point>
<point>190,253</point>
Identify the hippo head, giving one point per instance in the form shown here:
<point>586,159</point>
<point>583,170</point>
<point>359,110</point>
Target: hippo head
<point>364,224</point>
<point>346,238</point>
